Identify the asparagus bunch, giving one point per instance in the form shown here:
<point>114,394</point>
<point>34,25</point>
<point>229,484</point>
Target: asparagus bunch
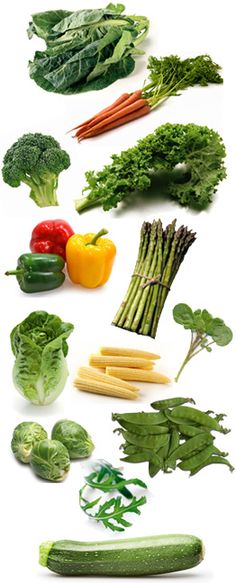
<point>161,251</point>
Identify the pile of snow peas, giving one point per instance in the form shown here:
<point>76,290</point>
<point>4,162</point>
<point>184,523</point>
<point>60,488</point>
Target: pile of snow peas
<point>174,436</point>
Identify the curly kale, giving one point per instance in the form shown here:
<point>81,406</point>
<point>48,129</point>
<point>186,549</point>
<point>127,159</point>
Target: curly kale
<point>37,160</point>
<point>191,156</point>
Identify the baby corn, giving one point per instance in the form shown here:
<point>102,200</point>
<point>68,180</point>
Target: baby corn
<point>136,374</point>
<point>131,352</point>
<point>89,373</point>
<point>100,361</point>
<point>92,386</point>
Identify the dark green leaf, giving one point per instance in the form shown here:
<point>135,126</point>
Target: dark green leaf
<point>183,314</point>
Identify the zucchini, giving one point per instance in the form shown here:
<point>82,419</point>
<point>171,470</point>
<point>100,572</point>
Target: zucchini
<point>128,557</point>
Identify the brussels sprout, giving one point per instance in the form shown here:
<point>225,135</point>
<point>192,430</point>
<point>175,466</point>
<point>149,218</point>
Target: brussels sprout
<point>75,438</point>
<point>50,460</point>
<point>25,436</point>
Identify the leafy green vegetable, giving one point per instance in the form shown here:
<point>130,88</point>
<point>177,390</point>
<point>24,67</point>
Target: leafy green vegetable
<point>25,436</point>
<point>205,331</point>
<point>85,50</point>
<point>74,437</point>
<point>39,346</point>
<point>50,460</point>
<point>190,156</point>
<point>36,160</point>
<point>110,512</point>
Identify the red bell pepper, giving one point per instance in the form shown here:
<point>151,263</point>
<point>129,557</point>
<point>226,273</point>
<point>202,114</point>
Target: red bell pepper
<point>51,237</point>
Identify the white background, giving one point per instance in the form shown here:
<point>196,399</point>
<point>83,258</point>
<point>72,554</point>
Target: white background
<point>33,510</point>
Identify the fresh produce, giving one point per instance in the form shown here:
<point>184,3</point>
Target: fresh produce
<point>187,162</point>
<point>25,436</point>
<point>137,374</point>
<point>36,160</point>
<point>110,512</point>
<point>90,258</point>
<point>161,252</point>
<point>205,331</point>
<point>50,460</point>
<point>104,387</point>
<point>74,437</point>
<point>168,76</point>
<point>100,361</point>
<point>175,436</point>
<point>39,344</point>
<point>130,352</point>
<point>87,49</point>
<point>51,237</point>
<point>36,272</point>
<point>144,556</point>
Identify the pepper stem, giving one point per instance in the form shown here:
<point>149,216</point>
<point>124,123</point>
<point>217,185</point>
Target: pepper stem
<point>15,272</point>
<point>97,236</point>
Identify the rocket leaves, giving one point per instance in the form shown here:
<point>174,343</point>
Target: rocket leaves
<point>85,50</point>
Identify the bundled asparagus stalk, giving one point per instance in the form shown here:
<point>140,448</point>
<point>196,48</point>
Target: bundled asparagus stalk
<point>161,251</point>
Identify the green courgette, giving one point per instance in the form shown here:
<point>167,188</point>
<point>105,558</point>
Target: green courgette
<point>128,557</point>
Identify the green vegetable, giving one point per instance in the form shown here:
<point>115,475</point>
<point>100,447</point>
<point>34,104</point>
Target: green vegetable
<point>50,460</point>
<point>188,161</point>
<point>74,437</point>
<point>110,512</point>
<point>85,50</point>
<point>36,272</point>
<point>161,252</point>
<point>40,347</point>
<point>36,160</point>
<point>205,331</point>
<point>25,436</point>
<point>177,432</point>
<point>129,557</point>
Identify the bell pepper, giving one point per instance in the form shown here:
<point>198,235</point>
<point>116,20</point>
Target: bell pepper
<point>51,237</point>
<point>90,258</point>
<point>36,272</point>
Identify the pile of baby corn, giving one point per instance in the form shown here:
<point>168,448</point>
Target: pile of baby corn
<point>111,370</point>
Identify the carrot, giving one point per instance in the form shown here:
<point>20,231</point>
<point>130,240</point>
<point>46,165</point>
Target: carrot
<point>133,98</point>
<point>127,118</point>
<point>138,104</point>
<point>122,98</point>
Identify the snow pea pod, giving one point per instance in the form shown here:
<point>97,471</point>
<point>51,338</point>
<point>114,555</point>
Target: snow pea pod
<point>196,416</point>
<point>169,403</point>
<point>190,447</point>
<point>174,443</point>
<point>190,430</point>
<point>143,429</point>
<point>138,457</point>
<point>130,449</point>
<point>199,458</point>
<point>152,442</point>
<point>214,459</point>
<point>140,418</point>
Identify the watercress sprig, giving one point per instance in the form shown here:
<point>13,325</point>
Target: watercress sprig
<point>205,331</point>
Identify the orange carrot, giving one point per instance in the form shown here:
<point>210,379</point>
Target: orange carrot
<point>127,118</point>
<point>122,98</point>
<point>105,116</point>
<point>138,104</point>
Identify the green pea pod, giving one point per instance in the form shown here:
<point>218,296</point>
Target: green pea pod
<point>190,430</point>
<point>174,443</point>
<point>214,459</point>
<point>198,417</point>
<point>197,459</point>
<point>138,457</point>
<point>140,418</point>
<point>143,429</point>
<point>38,272</point>
<point>129,449</point>
<point>169,403</point>
<point>152,442</point>
<point>154,466</point>
<point>190,447</point>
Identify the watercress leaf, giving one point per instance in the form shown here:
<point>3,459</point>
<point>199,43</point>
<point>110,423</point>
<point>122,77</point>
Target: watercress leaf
<point>221,334</point>
<point>183,314</point>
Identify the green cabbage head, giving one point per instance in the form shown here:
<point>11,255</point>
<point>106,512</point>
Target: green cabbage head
<point>25,436</point>
<point>50,460</point>
<point>75,438</point>
<point>39,346</point>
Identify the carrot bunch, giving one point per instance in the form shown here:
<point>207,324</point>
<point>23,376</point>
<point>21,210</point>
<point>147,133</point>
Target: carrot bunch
<point>168,76</point>
<point>127,107</point>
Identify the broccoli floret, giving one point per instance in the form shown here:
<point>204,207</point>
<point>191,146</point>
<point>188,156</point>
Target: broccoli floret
<point>37,160</point>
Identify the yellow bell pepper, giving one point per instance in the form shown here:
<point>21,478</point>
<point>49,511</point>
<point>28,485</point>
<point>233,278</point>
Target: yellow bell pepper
<point>90,258</point>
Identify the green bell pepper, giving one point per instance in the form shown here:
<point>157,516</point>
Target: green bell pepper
<point>36,272</point>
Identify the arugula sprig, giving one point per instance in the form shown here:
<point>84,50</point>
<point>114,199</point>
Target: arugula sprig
<point>205,331</point>
<point>111,512</point>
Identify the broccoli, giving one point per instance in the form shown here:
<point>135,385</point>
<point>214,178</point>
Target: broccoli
<point>36,160</point>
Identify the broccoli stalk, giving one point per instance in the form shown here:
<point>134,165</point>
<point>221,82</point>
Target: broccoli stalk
<point>36,160</point>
